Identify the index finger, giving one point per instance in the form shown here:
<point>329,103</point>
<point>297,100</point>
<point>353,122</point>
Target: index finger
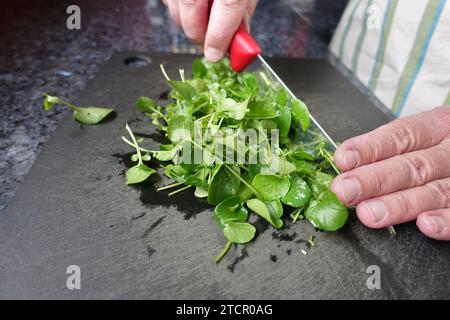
<point>412,133</point>
<point>225,18</point>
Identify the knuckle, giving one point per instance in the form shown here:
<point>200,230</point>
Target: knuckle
<point>406,206</point>
<point>217,35</point>
<point>401,136</point>
<point>419,170</point>
<point>441,189</point>
<point>369,149</point>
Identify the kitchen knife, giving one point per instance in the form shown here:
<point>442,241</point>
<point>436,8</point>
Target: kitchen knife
<point>244,50</point>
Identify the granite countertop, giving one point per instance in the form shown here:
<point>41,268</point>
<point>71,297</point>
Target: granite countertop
<point>39,54</point>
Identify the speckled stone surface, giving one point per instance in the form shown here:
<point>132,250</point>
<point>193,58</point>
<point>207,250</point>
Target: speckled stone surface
<point>39,54</point>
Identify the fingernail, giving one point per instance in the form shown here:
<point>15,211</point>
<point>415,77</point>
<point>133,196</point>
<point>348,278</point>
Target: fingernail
<point>434,223</point>
<point>351,189</point>
<point>377,210</point>
<point>213,54</point>
<point>351,158</point>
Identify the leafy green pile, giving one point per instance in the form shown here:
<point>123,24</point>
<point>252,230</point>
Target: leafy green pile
<point>217,100</point>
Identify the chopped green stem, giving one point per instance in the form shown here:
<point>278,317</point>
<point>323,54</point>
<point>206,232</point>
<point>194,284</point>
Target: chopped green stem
<point>330,160</point>
<point>223,252</point>
<point>164,72</point>
<point>170,186</point>
<point>182,74</point>
<point>296,214</point>
<point>179,190</point>
<point>134,146</point>
<point>391,230</point>
<point>135,142</point>
<point>257,194</point>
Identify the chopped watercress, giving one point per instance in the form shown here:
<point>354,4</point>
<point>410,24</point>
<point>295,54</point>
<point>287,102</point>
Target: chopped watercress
<point>217,104</point>
<point>85,115</point>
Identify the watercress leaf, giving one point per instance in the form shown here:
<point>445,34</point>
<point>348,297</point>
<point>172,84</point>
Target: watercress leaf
<point>282,98</point>
<point>244,191</point>
<point>180,129</point>
<point>327,212</point>
<point>164,155</point>
<point>183,88</point>
<point>138,173</point>
<point>304,167</point>
<point>270,211</point>
<point>299,193</point>
<point>134,157</point>
<point>201,192</point>
<point>284,121</point>
<point>230,210</point>
<point>50,101</point>
<point>302,155</point>
<point>278,165</point>
<point>233,109</point>
<point>91,115</point>
<point>320,182</point>
<point>224,184</point>
<point>175,172</point>
<point>145,104</point>
<point>260,109</point>
<point>198,84</point>
<point>198,69</point>
<point>239,232</point>
<point>146,157</point>
<point>271,187</point>
<point>300,114</point>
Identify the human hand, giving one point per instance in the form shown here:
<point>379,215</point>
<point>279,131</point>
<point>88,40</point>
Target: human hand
<point>224,19</point>
<point>400,172</point>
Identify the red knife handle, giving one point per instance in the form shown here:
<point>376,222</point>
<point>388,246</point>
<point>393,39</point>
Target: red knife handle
<point>243,48</point>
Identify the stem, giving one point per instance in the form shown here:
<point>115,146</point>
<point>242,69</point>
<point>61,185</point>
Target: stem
<point>134,146</point>
<point>135,142</point>
<point>391,231</point>
<point>170,186</point>
<point>296,214</point>
<point>181,71</point>
<point>179,190</point>
<point>330,160</point>
<point>223,252</point>
<point>257,194</point>
<point>164,72</point>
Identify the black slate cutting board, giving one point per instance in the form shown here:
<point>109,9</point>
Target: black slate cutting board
<point>74,209</point>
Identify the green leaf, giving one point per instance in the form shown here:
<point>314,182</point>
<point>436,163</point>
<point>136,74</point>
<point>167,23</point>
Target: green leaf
<point>320,182</point>
<point>201,192</point>
<point>138,173</point>
<point>90,115</point>
<point>270,211</point>
<point>239,232</point>
<point>284,121</point>
<point>327,212</point>
<point>223,185</point>
<point>278,165</point>
<point>282,98</point>
<point>261,110</point>
<point>198,69</point>
<point>180,129</point>
<point>233,109</point>
<point>184,89</point>
<point>304,167</point>
<point>164,155</point>
<point>302,155</point>
<point>50,101</point>
<point>299,193</point>
<point>230,210</point>
<point>301,114</point>
<point>271,187</point>
<point>146,104</point>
